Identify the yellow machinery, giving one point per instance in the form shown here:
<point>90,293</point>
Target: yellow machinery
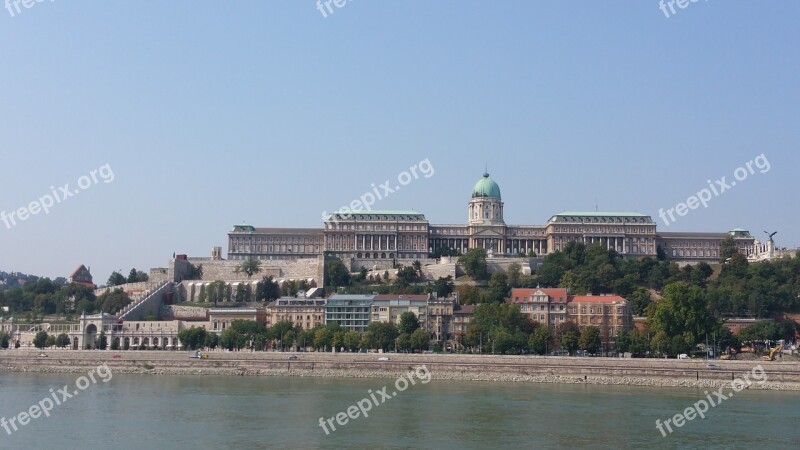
<point>772,352</point>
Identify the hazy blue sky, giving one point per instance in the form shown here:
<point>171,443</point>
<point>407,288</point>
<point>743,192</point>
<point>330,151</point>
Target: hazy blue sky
<point>212,113</point>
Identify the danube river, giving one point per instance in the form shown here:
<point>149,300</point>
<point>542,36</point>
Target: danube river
<point>226,412</point>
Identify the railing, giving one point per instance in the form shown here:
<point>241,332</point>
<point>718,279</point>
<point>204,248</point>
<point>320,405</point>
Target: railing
<point>141,300</point>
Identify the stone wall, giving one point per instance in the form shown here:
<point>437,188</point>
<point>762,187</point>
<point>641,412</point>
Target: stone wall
<point>172,312</point>
<point>383,264</point>
<point>289,269</point>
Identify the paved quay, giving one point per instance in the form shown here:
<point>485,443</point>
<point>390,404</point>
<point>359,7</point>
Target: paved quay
<point>780,375</point>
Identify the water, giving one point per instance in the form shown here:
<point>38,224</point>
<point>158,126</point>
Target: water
<point>177,412</point>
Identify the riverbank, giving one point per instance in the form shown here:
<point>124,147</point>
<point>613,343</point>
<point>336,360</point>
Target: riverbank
<point>779,375</point>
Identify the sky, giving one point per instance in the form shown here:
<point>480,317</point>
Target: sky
<point>175,120</point>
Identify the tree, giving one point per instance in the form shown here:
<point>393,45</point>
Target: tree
<point>192,338</point>
<point>384,334</point>
<point>404,343</point>
<point>444,286</point>
<point>408,323</point>
<point>590,339</point>
<point>351,340</point>
<point>727,248</point>
<point>40,340</point>
<point>211,341</point>
<point>102,341</point>
<point>113,301</point>
<point>468,295</point>
<point>538,339</point>
<point>116,279</point>
<point>405,276</point>
<point>136,276</point>
<point>420,339</point>
<point>249,267</point>
<point>241,294</point>
<point>268,289</point>
<point>51,341</point>
<point>4,340</point>
<point>514,274</point>
<point>194,272</point>
<point>62,340</point>
<point>216,291</point>
<point>683,312</point>
<point>568,334</point>
<point>474,263</point>
<point>761,331</point>
<point>336,273</point>
<point>498,287</point>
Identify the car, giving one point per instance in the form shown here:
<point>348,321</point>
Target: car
<point>292,357</point>
<point>41,355</point>
<point>116,356</point>
<point>712,366</point>
<point>683,356</point>
<point>383,358</point>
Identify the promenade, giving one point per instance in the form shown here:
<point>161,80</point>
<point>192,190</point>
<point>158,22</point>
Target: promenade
<point>781,375</point>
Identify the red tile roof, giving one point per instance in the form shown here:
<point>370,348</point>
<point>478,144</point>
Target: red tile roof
<point>523,293</point>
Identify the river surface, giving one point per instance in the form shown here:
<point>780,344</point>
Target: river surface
<point>218,412</point>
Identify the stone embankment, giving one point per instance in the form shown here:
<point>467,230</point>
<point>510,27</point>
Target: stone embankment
<point>517,369</point>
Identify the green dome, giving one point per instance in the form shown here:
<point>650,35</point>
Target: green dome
<point>486,187</point>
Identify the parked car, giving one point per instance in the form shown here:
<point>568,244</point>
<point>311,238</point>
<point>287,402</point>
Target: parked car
<point>712,366</point>
<point>683,356</point>
<point>383,358</point>
<point>292,356</point>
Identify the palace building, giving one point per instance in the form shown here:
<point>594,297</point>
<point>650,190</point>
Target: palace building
<point>370,237</point>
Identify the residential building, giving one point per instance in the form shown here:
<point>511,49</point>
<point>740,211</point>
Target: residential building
<point>304,313</point>
<point>352,312</point>
<point>389,307</point>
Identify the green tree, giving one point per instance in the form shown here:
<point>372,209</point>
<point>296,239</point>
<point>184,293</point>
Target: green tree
<point>192,338</point>
<point>498,287</point>
<point>268,289</point>
<point>384,334</point>
<point>4,340</point>
<point>241,294</point>
<point>761,331</point>
<point>444,286</point>
<point>51,341</point>
<point>249,267</point>
<point>62,340</point>
<point>468,295</point>
<point>514,275</point>
<point>216,292</point>
<point>590,339</point>
<point>404,343</point>
<point>116,279</point>
<point>683,312</point>
<point>102,341</point>
<point>538,339</point>
<point>474,263</point>
<point>420,339</point>
<point>211,340</point>
<point>408,323</point>
<point>351,340</point>
<point>336,274</point>
<point>40,340</point>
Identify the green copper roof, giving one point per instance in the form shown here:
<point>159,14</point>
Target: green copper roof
<point>601,214</point>
<point>486,187</point>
